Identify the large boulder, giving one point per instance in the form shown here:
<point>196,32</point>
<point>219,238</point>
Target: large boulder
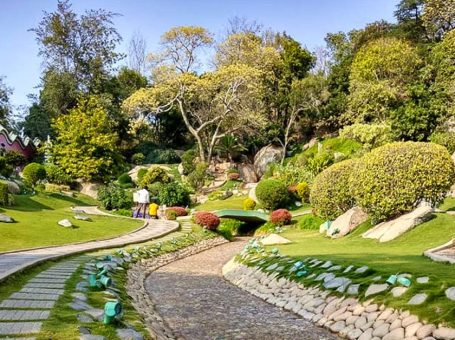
<point>13,187</point>
<point>347,222</point>
<point>387,231</point>
<point>247,173</point>
<point>265,156</point>
<point>90,189</point>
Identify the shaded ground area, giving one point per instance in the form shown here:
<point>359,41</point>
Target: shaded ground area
<point>197,303</point>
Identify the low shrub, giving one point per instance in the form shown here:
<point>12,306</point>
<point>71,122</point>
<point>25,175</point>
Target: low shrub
<point>322,160</point>
<point>113,197</point>
<point>6,170</point>
<point>370,135</point>
<point>138,158</point>
<point>180,211</point>
<point>13,187</point>
<point>56,175</point>
<point>174,194</point>
<point>154,189</point>
<point>393,179</point>
<point>52,187</point>
<point>331,193</point>
<point>162,156</point>
<point>310,222</point>
<point>291,173</point>
<point>303,191</point>
<point>249,204</point>
<point>153,175</point>
<point>233,226</point>
<point>140,174</point>
<point>207,220</point>
<point>196,179</point>
<point>446,139</point>
<point>4,194</point>
<point>33,173</point>
<point>267,228</point>
<point>124,212</point>
<point>272,194</point>
<point>188,161</point>
<point>171,215</point>
<point>280,217</point>
<point>124,179</point>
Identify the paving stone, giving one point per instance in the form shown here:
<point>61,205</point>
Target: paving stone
<point>450,293</point>
<point>353,289</point>
<point>85,318</point>
<point>32,296</point>
<point>41,280</point>
<point>376,289</point>
<point>361,270</point>
<point>21,315</point>
<point>348,269</point>
<point>45,285</point>
<point>334,268</point>
<point>398,291</point>
<point>79,296</point>
<point>336,282</point>
<point>92,337</point>
<point>129,334</point>
<point>418,299</point>
<point>42,291</point>
<point>12,328</point>
<point>423,279</point>
<point>27,304</point>
<point>327,264</point>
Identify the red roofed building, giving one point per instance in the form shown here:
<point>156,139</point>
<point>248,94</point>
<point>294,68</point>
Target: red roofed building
<point>11,142</point>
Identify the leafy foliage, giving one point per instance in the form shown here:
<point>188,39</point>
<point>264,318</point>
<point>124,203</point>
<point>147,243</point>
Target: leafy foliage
<point>303,191</point>
<point>154,174</point>
<point>197,177</point>
<point>159,156</point>
<point>207,220</point>
<point>113,197</point>
<point>446,139</point>
<point>272,194</point>
<point>280,217</point>
<point>370,135</point>
<point>249,204</point>
<point>5,198</point>
<point>188,161</point>
<point>331,193</point>
<point>33,173</point>
<point>174,194</point>
<point>55,174</point>
<point>179,211</point>
<point>395,178</point>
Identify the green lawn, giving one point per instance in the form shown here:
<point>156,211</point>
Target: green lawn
<point>403,255</point>
<point>233,202</point>
<point>36,222</point>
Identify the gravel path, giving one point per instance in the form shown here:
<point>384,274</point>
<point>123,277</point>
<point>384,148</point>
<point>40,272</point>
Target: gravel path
<point>197,303</point>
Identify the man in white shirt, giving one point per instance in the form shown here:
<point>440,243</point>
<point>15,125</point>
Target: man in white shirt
<point>143,200</point>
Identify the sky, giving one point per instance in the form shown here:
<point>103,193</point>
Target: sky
<point>307,21</point>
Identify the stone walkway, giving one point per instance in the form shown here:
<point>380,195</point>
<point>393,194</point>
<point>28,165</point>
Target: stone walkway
<point>198,303</point>
<point>13,262</point>
<point>23,312</point>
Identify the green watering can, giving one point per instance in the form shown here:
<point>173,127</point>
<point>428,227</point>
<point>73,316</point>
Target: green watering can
<point>404,281</point>
<point>301,273</point>
<point>105,281</point>
<point>392,279</point>
<point>100,265</point>
<point>92,280</point>
<point>105,271</point>
<point>112,309</point>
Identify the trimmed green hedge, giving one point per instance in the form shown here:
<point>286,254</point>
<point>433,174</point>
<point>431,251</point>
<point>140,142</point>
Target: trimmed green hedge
<point>331,193</point>
<point>394,178</point>
<point>272,194</point>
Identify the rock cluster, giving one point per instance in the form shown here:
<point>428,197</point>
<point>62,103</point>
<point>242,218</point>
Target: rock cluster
<point>348,317</point>
<point>138,273</point>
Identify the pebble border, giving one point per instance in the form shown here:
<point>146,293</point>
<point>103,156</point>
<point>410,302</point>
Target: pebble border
<point>348,317</point>
<point>138,273</point>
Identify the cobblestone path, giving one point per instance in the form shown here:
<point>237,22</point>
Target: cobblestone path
<point>23,312</point>
<point>197,303</point>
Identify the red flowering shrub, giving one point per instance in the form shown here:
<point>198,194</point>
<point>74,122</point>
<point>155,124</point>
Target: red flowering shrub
<point>233,176</point>
<point>207,220</point>
<point>280,217</point>
<point>179,211</point>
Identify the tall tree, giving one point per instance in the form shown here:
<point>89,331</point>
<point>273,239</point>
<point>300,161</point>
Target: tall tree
<point>83,45</point>
<point>137,53</point>
<point>439,17</point>
<point>5,105</point>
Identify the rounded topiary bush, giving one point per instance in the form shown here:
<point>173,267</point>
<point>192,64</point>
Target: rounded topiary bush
<point>249,204</point>
<point>153,175</point>
<point>281,217</point>
<point>395,178</point>
<point>207,220</point>
<point>331,193</point>
<point>272,194</point>
<point>173,194</point>
<point>303,191</point>
<point>179,211</point>
<point>33,173</point>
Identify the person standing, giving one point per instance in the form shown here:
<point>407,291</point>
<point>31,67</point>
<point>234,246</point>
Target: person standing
<point>143,197</point>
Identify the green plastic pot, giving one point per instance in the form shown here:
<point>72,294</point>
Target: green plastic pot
<point>392,279</point>
<point>92,280</point>
<point>105,271</point>
<point>112,310</point>
<point>105,280</point>
<point>404,281</point>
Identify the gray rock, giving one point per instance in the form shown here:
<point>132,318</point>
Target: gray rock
<point>418,299</point>
<point>376,289</point>
<point>92,337</point>
<point>353,289</point>
<point>129,334</point>
<point>84,318</point>
<point>327,264</point>
<point>336,282</point>
<point>272,267</point>
<point>398,291</point>
<point>450,293</point>
<point>444,333</point>
<point>361,270</point>
<point>82,286</point>
<point>377,278</point>
<point>96,313</point>
<point>82,217</point>
<point>348,269</point>
<point>334,268</point>
<point>79,296</point>
<point>265,156</point>
<point>65,223</point>
<point>6,219</point>
<point>423,279</point>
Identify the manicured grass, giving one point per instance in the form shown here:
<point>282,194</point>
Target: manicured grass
<point>36,225</point>
<point>233,202</point>
<point>403,255</point>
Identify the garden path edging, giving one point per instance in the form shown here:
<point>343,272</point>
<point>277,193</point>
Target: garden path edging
<point>138,273</point>
<point>347,317</point>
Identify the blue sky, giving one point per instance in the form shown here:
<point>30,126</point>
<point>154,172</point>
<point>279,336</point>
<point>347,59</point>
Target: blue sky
<point>307,21</point>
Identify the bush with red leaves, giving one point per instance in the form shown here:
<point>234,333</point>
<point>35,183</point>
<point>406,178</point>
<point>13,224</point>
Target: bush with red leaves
<point>179,211</point>
<point>233,176</point>
<point>280,217</point>
<point>207,220</point>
